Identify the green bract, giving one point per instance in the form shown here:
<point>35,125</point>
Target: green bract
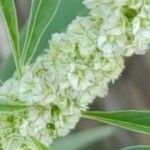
<point>77,67</point>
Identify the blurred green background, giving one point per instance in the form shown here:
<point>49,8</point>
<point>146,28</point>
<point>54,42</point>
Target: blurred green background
<point>131,91</point>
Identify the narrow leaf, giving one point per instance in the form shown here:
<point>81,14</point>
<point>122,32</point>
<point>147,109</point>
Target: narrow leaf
<point>138,147</point>
<point>39,145</point>
<point>7,106</point>
<point>7,69</point>
<point>8,11</point>
<point>5,47</point>
<point>42,14</point>
<point>82,139</point>
<point>134,120</point>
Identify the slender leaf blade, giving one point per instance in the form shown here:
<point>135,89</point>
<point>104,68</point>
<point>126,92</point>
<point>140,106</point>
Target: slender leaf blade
<point>7,106</point>
<point>10,15</point>
<point>42,14</point>
<point>134,120</point>
<point>137,147</point>
<point>82,139</point>
<point>7,69</point>
<point>8,11</point>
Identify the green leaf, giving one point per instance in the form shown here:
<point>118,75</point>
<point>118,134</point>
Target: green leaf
<point>84,138</point>
<point>134,120</point>
<point>7,106</point>
<point>7,69</point>
<point>137,147</point>
<point>41,15</point>
<point>8,11</point>
<point>39,145</point>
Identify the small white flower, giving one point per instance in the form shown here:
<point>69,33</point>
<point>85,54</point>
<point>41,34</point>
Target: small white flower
<point>83,31</point>
<point>9,89</point>
<point>91,4</point>
<point>80,77</point>
<point>112,38</point>
<point>17,142</point>
<point>136,4</point>
<point>141,31</point>
<point>120,3</point>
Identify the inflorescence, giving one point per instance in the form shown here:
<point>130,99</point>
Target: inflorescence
<point>77,68</point>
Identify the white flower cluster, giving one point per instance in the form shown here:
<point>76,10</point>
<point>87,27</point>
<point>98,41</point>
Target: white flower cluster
<point>77,68</point>
<point>125,27</point>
